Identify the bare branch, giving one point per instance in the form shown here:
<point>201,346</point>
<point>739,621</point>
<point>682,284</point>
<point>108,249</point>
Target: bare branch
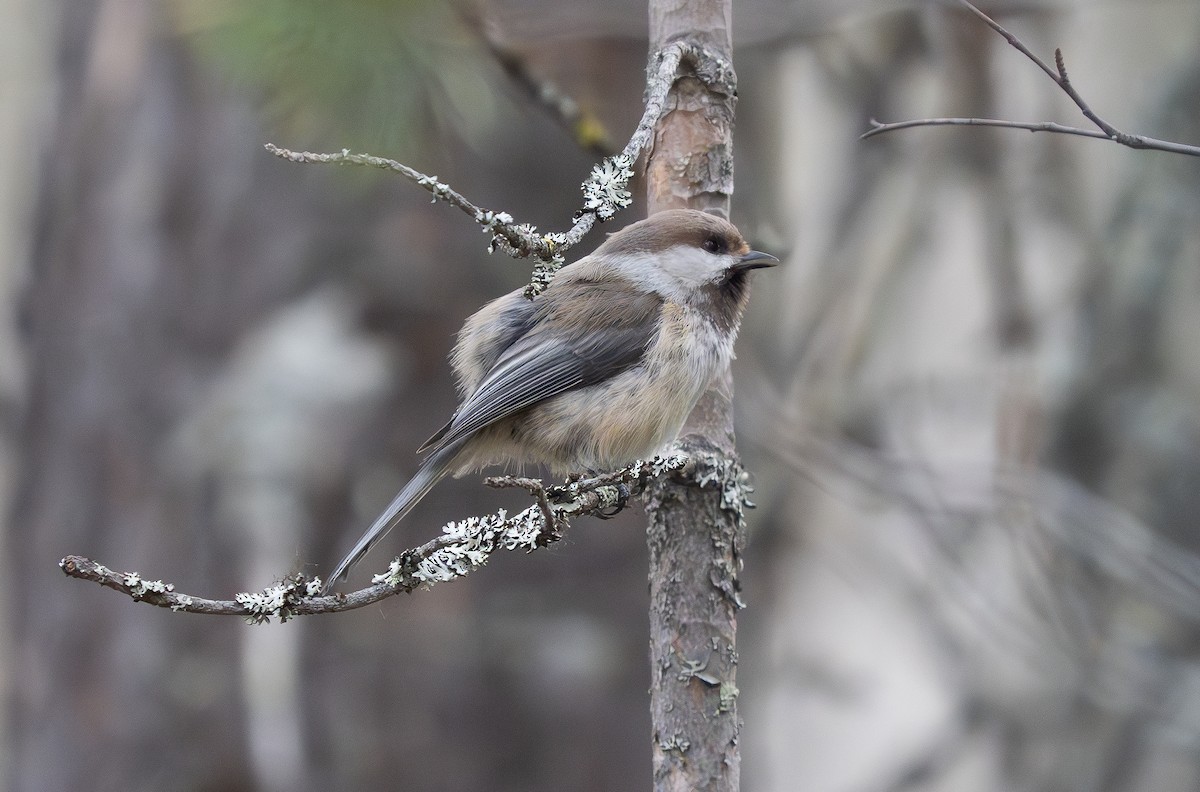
<point>1063,81</point>
<point>1011,38</point>
<point>878,128</point>
<point>463,547</point>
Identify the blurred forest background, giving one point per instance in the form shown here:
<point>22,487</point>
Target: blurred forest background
<point>971,398</point>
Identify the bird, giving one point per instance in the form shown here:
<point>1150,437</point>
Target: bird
<point>600,369</point>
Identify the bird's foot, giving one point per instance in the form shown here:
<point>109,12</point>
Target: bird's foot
<point>619,506</point>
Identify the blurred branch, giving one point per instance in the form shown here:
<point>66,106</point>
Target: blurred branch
<point>586,130</point>
<point>1052,511</point>
<point>463,547</point>
<point>1063,81</point>
<point>878,127</point>
<point>605,191</point>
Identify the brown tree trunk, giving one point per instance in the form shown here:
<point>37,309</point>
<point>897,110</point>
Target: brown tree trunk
<point>694,543</point>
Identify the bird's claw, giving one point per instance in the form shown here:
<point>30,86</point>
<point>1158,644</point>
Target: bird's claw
<point>619,506</point>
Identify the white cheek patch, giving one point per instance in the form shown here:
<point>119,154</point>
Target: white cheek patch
<point>674,273</point>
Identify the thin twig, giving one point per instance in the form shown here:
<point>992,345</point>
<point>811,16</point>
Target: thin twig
<point>878,128</point>
<point>1059,74</point>
<point>1064,82</point>
<point>462,547</point>
<point>519,239</point>
<point>538,490</point>
<point>1011,38</point>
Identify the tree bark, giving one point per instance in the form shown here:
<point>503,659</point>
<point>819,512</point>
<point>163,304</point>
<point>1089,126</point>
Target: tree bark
<point>695,538</point>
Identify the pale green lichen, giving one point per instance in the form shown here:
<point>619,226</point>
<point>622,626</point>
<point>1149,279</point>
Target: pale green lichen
<point>676,742</point>
<point>277,601</point>
<point>468,544</point>
<point>604,192</point>
<point>139,588</point>
<point>728,696</point>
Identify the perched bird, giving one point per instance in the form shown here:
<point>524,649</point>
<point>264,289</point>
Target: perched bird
<point>600,369</point>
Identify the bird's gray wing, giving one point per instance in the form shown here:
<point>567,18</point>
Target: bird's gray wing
<point>597,334</point>
<point>514,321</point>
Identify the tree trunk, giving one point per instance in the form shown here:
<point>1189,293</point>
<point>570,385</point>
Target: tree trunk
<point>695,540</point>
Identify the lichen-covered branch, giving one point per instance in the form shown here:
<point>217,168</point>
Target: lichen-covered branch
<point>1059,74</point>
<point>462,547</point>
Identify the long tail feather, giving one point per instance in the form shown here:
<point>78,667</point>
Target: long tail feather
<point>435,466</point>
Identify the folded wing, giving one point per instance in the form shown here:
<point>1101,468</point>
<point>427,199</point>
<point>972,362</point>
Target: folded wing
<point>601,338</point>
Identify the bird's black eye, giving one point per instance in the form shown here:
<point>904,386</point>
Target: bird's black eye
<point>714,244</point>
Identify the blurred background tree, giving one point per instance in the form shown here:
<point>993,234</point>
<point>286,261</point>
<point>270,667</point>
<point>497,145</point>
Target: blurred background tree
<point>971,398</point>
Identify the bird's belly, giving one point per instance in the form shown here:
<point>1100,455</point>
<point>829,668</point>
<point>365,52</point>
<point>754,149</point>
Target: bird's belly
<point>609,426</point>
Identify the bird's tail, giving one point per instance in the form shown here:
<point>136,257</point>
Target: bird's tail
<point>435,466</point>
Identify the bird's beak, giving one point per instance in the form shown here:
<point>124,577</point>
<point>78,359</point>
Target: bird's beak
<point>754,260</point>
